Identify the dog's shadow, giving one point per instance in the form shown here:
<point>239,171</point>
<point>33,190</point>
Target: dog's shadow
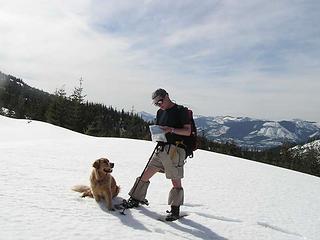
<point>126,218</point>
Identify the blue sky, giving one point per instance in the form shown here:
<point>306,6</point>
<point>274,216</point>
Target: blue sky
<point>241,58</point>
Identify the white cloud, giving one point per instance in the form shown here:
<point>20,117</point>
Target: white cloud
<point>242,55</point>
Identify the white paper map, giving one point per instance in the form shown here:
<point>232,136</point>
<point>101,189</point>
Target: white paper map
<point>157,134</point>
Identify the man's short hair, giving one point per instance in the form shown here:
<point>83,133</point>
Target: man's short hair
<point>160,92</point>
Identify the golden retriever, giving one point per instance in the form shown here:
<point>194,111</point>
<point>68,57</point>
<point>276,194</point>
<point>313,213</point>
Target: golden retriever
<point>103,184</point>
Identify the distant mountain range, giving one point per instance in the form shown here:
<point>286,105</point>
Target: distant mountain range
<point>253,133</point>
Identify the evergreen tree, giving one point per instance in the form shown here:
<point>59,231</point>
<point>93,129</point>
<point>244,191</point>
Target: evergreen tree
<point>58,112</point>
<point>77,99</point>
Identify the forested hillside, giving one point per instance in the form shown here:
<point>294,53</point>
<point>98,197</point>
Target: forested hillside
<point>19,100</point>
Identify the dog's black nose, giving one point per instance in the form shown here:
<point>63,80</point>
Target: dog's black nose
<point>111,165</point>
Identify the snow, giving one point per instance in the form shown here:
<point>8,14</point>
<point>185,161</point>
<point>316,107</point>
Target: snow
<point>5,110</point>
<point>275,130</point>
<point>218,132</point>
<point>225,197</point>
<point>315,145</point>
<point>312,126</point>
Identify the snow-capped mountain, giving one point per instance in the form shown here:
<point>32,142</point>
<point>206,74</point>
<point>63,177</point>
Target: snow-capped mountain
<point>146,116</point>
<point>255,133</point>
<point>249,132</point>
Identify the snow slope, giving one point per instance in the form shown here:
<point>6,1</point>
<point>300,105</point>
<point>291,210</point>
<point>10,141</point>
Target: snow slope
<point>225,197</point>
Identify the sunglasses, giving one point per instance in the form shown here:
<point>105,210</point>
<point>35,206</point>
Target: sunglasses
<point>159,102</point>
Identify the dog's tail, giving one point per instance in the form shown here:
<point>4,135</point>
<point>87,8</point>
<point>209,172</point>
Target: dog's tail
<point>85,190</point>
<point>80,188</point>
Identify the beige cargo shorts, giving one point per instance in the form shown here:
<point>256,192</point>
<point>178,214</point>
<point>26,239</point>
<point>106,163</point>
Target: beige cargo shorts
<point>169,161</point>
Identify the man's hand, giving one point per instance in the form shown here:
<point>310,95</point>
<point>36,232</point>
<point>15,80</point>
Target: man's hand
<point>167,129</point>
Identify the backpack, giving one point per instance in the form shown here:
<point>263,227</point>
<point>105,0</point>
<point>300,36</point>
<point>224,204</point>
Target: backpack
<point>191,141</point>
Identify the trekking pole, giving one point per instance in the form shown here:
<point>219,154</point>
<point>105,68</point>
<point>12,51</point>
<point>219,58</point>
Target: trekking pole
<point>154,150</point>
<point>135,186</point>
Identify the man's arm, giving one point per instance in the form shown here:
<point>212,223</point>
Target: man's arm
<point>185,131</point>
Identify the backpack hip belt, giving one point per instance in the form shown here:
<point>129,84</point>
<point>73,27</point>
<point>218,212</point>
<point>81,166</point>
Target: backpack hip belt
<point>171,151</point>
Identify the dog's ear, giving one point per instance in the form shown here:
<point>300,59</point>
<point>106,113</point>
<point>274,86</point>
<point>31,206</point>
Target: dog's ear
<point>96,164</point>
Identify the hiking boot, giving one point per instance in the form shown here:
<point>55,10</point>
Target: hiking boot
<point>174,214</point>
<point>131,203</point>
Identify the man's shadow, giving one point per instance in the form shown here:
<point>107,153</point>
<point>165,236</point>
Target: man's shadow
<point>196,229</point>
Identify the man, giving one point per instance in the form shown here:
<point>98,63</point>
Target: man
<point>169,156</point>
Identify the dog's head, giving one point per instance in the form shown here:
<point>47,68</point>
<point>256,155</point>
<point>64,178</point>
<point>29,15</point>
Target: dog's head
<point>103,166</point>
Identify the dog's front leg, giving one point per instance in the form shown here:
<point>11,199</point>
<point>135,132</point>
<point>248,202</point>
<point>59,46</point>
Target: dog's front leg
<point>108,200</point>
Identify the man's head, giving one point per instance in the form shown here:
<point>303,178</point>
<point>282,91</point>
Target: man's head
<point>159,96</point>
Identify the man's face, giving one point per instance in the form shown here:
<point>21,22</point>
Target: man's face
<point>161,102</point>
